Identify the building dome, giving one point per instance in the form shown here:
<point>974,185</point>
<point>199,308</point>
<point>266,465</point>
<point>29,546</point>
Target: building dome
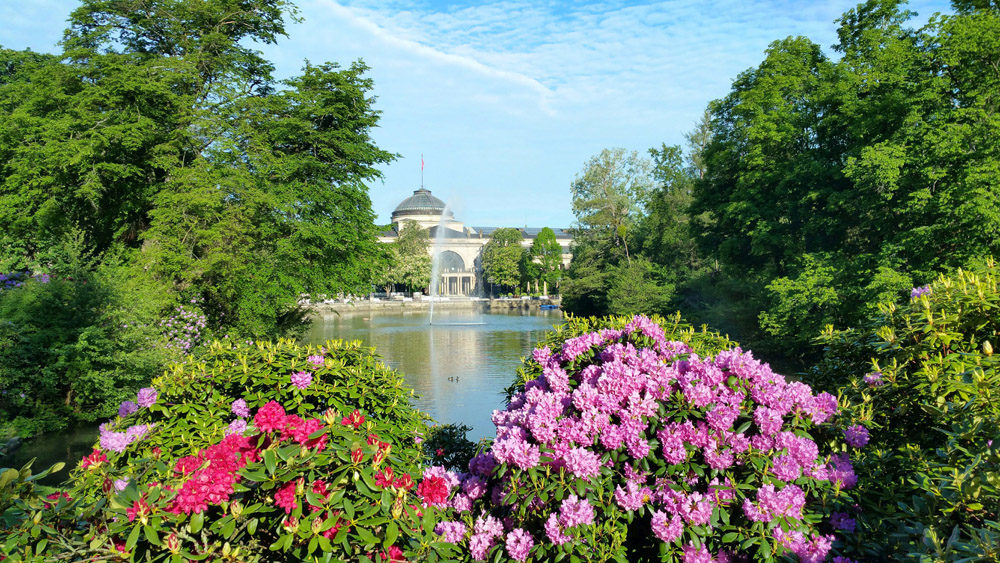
<point>420,203</point>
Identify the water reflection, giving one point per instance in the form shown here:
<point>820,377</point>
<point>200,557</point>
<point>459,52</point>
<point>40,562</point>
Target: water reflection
<point>458,366</point>
<point>459,370</point>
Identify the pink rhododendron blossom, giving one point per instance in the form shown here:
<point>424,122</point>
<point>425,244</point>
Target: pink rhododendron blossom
<point>519,543</point>
<point>285,497</point>
<point>698,554</point>
<point>575,512</point>
<point>554,531</point>
<point>452,532</point>
<point>582,462</point>
<point>147,397</point>
<point>301,379</point>
<point>239,408</point>
<point>667,528</point>
<point>270,417</point>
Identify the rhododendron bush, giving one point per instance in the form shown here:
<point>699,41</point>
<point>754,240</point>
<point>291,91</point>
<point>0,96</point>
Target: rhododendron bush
<point>925,378</point>
<point>621,444</point>
<point>258,452</point>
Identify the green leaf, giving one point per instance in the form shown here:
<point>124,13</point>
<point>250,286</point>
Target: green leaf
<point>197,520</point>
<point>133,537</point>
<point>391,533</point>
<point>151,535</point>
<point>270,461</point>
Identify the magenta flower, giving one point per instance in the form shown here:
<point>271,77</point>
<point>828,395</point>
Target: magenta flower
<point>575,511</point>
<point>316,361</point>
<point>667,530</point>
<point>582,462</point>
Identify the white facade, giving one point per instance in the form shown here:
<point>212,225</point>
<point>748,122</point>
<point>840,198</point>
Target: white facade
<point>461,247</point>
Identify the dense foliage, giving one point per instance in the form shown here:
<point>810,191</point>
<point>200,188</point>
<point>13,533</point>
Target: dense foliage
<point>621,445</point>
<point>78,338</point>
<point>543,262</point>
<point>158,150</point>
<point>502,258</point>
<point>821,186</point>
<point>607,274</point>
<point>408,263</point>
<point>259,452</point>
<point>160,130</point>
<point>924,379</point>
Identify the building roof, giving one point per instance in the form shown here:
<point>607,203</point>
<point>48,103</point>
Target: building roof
<point>526,232</point>
<point>421,203</point>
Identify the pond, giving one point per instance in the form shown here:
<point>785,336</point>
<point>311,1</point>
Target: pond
<point>459,367</point>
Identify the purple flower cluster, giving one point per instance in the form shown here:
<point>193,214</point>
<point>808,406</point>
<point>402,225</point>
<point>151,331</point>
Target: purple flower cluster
<point>602,397</point>
<point>118,441</point>
<point>184,329</point>
<point>127,408</point>
<point>301,379</point>
<point>874,379</point>
<point>239,408</point>
<point>916,292</point>
<point>856,436</point>
<point>146,397</point>
<point>316,360</point>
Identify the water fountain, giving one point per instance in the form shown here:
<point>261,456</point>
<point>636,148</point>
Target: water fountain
<point>436,261</point>
<point>439,241</point>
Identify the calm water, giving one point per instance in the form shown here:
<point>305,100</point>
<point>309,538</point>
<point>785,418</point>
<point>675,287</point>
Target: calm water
<point>458,368</point>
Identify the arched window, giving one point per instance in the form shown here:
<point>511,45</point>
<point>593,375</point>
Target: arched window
<point>451,262</point>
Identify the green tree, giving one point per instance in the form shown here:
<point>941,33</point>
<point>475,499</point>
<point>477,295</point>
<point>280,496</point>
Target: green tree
<point>609,200</point>
<point>161,129</point>
<point>502,256</point>
<point>610,196</point>
<point>409,263</point>
<point>546,254</point>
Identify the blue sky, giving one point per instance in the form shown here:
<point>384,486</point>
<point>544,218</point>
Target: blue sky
<point>507,100</point>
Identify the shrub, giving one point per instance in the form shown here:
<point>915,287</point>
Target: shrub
<point>931,483</point>
<point>325,465</point>
<point>622,444</point>
<point>75,343</point>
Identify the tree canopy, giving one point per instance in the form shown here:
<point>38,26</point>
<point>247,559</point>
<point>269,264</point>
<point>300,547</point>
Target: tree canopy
<point>409,263</point>
<point>160,129</point>
<point>502,256</point>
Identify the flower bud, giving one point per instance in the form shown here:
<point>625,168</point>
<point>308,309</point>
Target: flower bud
<point>317,525</point>
<point>173,543</point>
<point>330,417</point>
<point>236,509</point>
<point>987,348</point>
<point>357,456</point>
<point>290,524</point>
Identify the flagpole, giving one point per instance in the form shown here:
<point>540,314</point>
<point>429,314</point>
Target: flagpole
<point>421,171</point>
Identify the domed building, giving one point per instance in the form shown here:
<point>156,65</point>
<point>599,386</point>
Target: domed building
<point>461,247</point>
